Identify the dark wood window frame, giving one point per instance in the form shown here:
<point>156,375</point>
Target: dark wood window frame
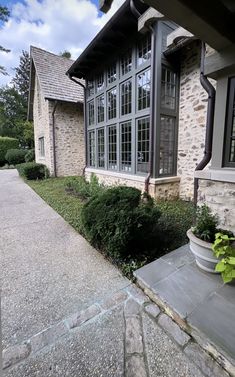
<point>229,124</point>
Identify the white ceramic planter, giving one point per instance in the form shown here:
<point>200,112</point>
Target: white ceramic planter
<point>203,253</point>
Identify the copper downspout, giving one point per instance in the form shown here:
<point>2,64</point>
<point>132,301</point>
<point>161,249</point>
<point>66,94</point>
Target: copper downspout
<point>53,136</point>
<point>209,121</point>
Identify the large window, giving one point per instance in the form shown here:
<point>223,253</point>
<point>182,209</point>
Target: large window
<point>119,122</point>
<point>229,144</point>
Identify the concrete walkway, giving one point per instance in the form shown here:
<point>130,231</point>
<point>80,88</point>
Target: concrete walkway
<point>66,311</point>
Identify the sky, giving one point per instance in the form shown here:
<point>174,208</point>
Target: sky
<point>54,25</point>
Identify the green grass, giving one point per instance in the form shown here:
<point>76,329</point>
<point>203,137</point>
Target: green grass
<point>52,190</point>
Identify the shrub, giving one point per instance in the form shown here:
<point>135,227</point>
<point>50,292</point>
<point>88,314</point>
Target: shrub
<point>120,223</point>
<point>30,155</point>
<point>15,156</point>
<point>85,189</point>
<point>32,170</point>
<point>177,217</point>
<point>6,143</point>
<point>206,224</point>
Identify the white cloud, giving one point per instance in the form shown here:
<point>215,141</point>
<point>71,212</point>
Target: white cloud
<point>54,25</point>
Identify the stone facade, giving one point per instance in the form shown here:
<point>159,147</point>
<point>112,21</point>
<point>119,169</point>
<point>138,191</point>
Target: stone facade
<point>220,197</point>
<point>162,188</point>
<point>192,118</point>
<point>69,134</point>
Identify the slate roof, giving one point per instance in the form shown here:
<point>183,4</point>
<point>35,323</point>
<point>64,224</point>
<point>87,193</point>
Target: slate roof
<point>51,72</point>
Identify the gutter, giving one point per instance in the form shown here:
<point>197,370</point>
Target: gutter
<point>137,14</point>
<point>209,121</point>
<point>53,136</point>
<point>85,117</point>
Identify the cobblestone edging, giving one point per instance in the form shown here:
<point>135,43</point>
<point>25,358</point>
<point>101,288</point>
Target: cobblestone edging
<point>135,303</point>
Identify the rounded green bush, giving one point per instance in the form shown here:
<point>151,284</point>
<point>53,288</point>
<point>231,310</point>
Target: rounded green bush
<point>120,223</point>
<point>6,143</point>
<point>30,155</point>
<point>15,156</point>
<point>32,170</point>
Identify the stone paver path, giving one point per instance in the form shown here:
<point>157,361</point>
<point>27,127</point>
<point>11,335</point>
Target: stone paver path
<point>66,311</point>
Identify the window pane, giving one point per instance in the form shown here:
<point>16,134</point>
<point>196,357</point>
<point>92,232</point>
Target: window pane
<point>167,145</point>
<point>100,109</point>
<point>41,146</point>
<point>112,144</point>
<point>168,89</point>
<point>90,88</point>
<point>126,63</point>
<point>101,152</point>
<point>126,88</point>
<point>112,73</point>
<point>144,49</point>
<point>91,113</point>
<point>112,103</point>
<point>232,146</point>
<point>126,146</point>
<point>143,82</point>
<point>91,145</point>
<point>143,145</point>
<point>100,82</point>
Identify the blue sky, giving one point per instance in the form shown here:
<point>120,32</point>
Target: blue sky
<point>54,25</point>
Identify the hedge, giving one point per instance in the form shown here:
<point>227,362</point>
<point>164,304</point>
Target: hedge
<point>32,170</point>
<point>5,144</point>
<point>15,156</point>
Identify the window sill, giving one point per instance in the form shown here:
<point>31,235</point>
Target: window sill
<point>133,177</point>
<point>222,175</point>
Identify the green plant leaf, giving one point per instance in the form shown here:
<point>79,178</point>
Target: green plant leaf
<point>231,260</point>
<point>220,267</point>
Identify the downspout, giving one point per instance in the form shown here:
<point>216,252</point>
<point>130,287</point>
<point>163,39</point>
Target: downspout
<point>85,118</point>
<point>137,14</point>
<point>209,121</point>
<point>53,137</point>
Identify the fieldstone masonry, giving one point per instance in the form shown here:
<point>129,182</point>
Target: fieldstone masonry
<point>192,118</point>
<point>69,134</point>
<point>220,197</point>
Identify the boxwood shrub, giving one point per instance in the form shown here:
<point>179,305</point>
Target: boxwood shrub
<point>120,223</point>
<point>32,170</point>
<point>15,156</point>
<point>6,143</point>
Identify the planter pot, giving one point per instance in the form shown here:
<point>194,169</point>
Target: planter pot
<point>203,253</point>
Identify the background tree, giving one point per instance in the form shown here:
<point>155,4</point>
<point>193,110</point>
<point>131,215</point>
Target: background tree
<point>66,54</point>
<point>4,15</point>
<point>21,78</point>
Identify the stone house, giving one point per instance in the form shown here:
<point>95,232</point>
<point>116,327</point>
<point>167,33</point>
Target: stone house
<point>56,108</point>
<point>146,109</point>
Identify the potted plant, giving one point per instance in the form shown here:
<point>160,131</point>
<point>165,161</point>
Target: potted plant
<point>201,237</point>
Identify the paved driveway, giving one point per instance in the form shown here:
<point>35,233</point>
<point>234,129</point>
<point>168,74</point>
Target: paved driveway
<point>66,311</point>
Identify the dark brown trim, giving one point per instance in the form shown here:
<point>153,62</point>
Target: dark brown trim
<point>229,124</point>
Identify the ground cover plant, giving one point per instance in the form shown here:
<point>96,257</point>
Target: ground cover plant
<point>128,229</point>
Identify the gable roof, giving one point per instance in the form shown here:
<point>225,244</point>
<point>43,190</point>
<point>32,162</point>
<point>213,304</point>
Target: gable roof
<point>50,70</point>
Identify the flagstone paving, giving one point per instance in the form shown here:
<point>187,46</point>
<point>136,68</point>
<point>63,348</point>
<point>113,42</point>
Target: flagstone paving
<point>66,311</point>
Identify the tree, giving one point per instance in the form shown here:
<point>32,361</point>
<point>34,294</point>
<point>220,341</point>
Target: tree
<point>4,15</point>
<point>65,54</point>
<point>22,72</point>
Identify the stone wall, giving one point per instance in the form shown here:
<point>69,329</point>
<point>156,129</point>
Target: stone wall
<point>160,189</point>
<point>192,118</point>
<point>69,134</point>
<point>69,138</point>
<point>220,197</point>
<point>41,127</point>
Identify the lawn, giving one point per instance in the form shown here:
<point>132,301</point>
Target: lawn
<point>68,195</point>
<point>53,191</point>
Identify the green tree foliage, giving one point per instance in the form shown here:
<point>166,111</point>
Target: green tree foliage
<point>4,15</point>
<point>65,54</point>
<point>21,79</point>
